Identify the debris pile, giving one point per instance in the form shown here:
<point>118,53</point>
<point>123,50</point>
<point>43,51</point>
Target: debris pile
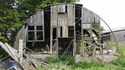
<point>19,61</point>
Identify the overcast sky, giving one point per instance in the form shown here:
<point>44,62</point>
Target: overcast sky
<point>112,11</point>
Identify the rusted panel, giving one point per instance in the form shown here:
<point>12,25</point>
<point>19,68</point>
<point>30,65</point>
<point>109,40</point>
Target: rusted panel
<point>61,8</point>
<point>62,19</point>
<point>71,14</point>
<point>54,15</point>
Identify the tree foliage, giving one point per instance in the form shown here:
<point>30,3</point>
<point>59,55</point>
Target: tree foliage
<point>8,19</point>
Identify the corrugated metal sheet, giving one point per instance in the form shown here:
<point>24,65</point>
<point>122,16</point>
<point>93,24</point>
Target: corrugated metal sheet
<point>89,16</point>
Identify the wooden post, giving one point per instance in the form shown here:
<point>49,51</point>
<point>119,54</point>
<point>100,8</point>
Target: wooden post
<point>20,50</point>
<point>51,39</point>
<point>57,43</point>
<point>74,41</point>
<point>82,40</point>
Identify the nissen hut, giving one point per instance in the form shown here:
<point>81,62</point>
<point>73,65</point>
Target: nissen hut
<point>61,29</point>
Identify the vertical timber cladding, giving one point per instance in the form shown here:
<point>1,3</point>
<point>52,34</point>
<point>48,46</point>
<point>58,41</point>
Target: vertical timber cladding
<point>53,23</point>
<point>62,20</point>
<point>71,14</point>
<point>63,17</point>
<point>36,21</point>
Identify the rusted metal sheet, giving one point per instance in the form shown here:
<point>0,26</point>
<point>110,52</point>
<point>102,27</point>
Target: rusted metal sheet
<point>61,8</point>
<point>62,19</point>
<point>54,15</point>
<point>71,14</point>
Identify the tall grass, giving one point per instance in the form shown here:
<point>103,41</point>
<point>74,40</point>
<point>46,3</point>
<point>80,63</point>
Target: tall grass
<point>120,62</point>
<point>56,63</point>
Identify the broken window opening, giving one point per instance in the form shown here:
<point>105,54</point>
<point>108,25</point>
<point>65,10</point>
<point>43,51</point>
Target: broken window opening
<point>35,33</point>
<point>54,33</point>
<point>60,31</point>
<point>70,31</point>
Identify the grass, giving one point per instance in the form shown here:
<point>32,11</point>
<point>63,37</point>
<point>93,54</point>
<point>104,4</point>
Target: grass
<point>56,63</point>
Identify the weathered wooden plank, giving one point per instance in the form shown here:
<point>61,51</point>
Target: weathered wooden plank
<point>37,18</point>
<point>30,20</point>
<point>51,39</point>
<point>58,31</point>
<point>82,41</point>
<point>25,30</point>
<point>19,36</point>
<point>65,31</point>
<point>62,19</point>
<point>9,51</point>
<point>40,17</point>
<point>54,15</point>
<point>71,15</point>
<point>20,49</point>
<point>61,8</point>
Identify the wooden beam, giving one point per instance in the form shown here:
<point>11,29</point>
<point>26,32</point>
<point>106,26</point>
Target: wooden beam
<point>82,40</point>
<point>51,39</point>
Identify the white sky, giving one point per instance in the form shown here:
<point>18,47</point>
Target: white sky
<point>112,11</point>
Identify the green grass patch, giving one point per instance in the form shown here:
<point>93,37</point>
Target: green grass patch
<point>56,63</point>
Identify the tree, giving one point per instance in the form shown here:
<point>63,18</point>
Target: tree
<point>8,19</point>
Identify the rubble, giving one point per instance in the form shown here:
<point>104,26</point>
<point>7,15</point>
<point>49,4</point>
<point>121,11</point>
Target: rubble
<point>19,61</point>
